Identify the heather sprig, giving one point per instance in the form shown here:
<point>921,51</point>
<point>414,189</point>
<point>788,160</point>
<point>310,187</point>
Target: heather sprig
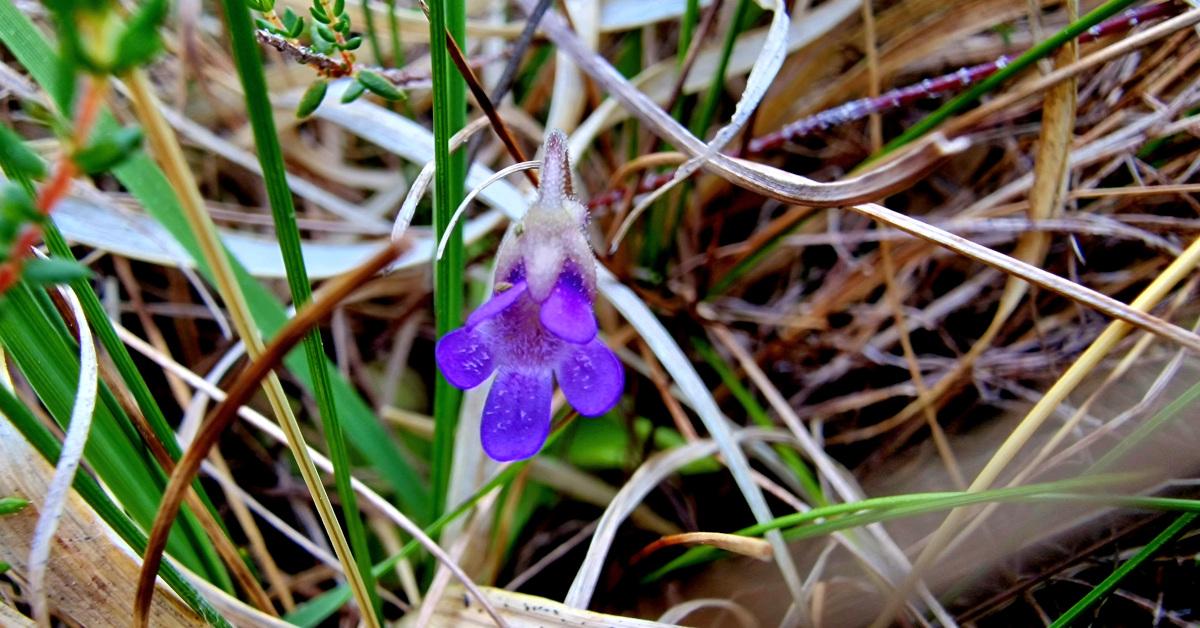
<point>330,36</point>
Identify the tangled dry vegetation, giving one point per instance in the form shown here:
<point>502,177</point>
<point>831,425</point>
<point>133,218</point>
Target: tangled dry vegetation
<point>786,346</point>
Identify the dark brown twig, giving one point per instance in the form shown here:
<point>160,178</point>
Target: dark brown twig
<point>485,103</point>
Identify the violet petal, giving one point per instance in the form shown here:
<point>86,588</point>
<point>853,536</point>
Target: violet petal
<point>567,312</point>
<point>592,378</point>
<point>497,304</point>
<point>465,358</point>
<point>516,416</point>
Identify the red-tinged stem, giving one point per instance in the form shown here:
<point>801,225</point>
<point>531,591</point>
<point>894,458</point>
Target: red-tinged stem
<point>95,89</point>
<point>897,98</point>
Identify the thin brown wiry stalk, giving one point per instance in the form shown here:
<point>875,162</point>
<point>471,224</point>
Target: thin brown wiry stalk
<point>243,388</point>
<point>485,103</point>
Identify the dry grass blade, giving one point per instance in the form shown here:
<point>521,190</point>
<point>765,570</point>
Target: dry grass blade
<point>883,556</point>
<point>57,494</point>
<point>697,394</point>
<point>791,188</point>
<point>742,545</point>
<point>766,66</point>
<point>86,550</point>
<point>770,182</point>
<point>1183,266</point>
<point>648,476</point>
<point>524,166</point>
<point>185,471</point>
<point>522,611</point>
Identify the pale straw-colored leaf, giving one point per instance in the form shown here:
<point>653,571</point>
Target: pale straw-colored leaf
<point>762,74</point>
<point>475,191</point>
<point>55,502</point>
<point>793,188</point>
<point>85,549</point>
<point>679,612</point>
<point>648,476</point>
<point>520,611</point>
<point>658,80</point>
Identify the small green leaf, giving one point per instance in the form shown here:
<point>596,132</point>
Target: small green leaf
<point>296,28</point>
<point>353,92</point>
<point>312,98</point>
<point>265,25</point>
<point>139,42</point>
<point>339,7</point>
<point>379,85</point>
<point>289,19</point>
<point>322,46</point>
<point>324,33</point>
<point>16,209</point>
<point>343,25</point>
<point>12,505</point>
<point>4,566</point>
<point>262,6</point>
<point>318,14</point>
<point>54,270</point>
<point>14,151</point>
<point>109,150</point>
<point>353,43</point>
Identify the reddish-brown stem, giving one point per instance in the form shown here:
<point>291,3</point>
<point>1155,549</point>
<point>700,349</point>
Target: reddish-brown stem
<point>94,91</point>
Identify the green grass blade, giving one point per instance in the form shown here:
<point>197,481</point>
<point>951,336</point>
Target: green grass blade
<point>708,106</point>
<point>103,328</point>
<point>804,475</point>
<point>94,495</point>
<point>836,517</point>
<point>149,186</point>
<point>41,347</point>
<point>1108,584</point>
<point>1026,59</point>
<point>270,157</point>
<point>449,115</point>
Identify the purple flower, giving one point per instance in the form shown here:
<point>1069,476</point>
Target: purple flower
<point>538,326</point>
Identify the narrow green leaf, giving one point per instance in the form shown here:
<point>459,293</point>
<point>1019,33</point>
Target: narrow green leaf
<point>139,42</point>
<point>323,32</point>
<point>449,115</point>
<point>339,7</point>
<point>296,28</point>
<point>379,85</point>
<point>54,270</point>
<point>312,98</point>
<point>318,14</point>
<point>353,92</point>
<point>12,505</point>
<point>108,149</point>
<point>283,211</point>
<point>1097,592</point>
<point>353,43</point>
<point>14,152</point>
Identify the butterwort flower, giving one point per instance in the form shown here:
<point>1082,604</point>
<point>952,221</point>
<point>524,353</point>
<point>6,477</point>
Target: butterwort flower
<point>539,326</point>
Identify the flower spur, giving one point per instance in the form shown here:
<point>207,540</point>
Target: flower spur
<point>539,325</point>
